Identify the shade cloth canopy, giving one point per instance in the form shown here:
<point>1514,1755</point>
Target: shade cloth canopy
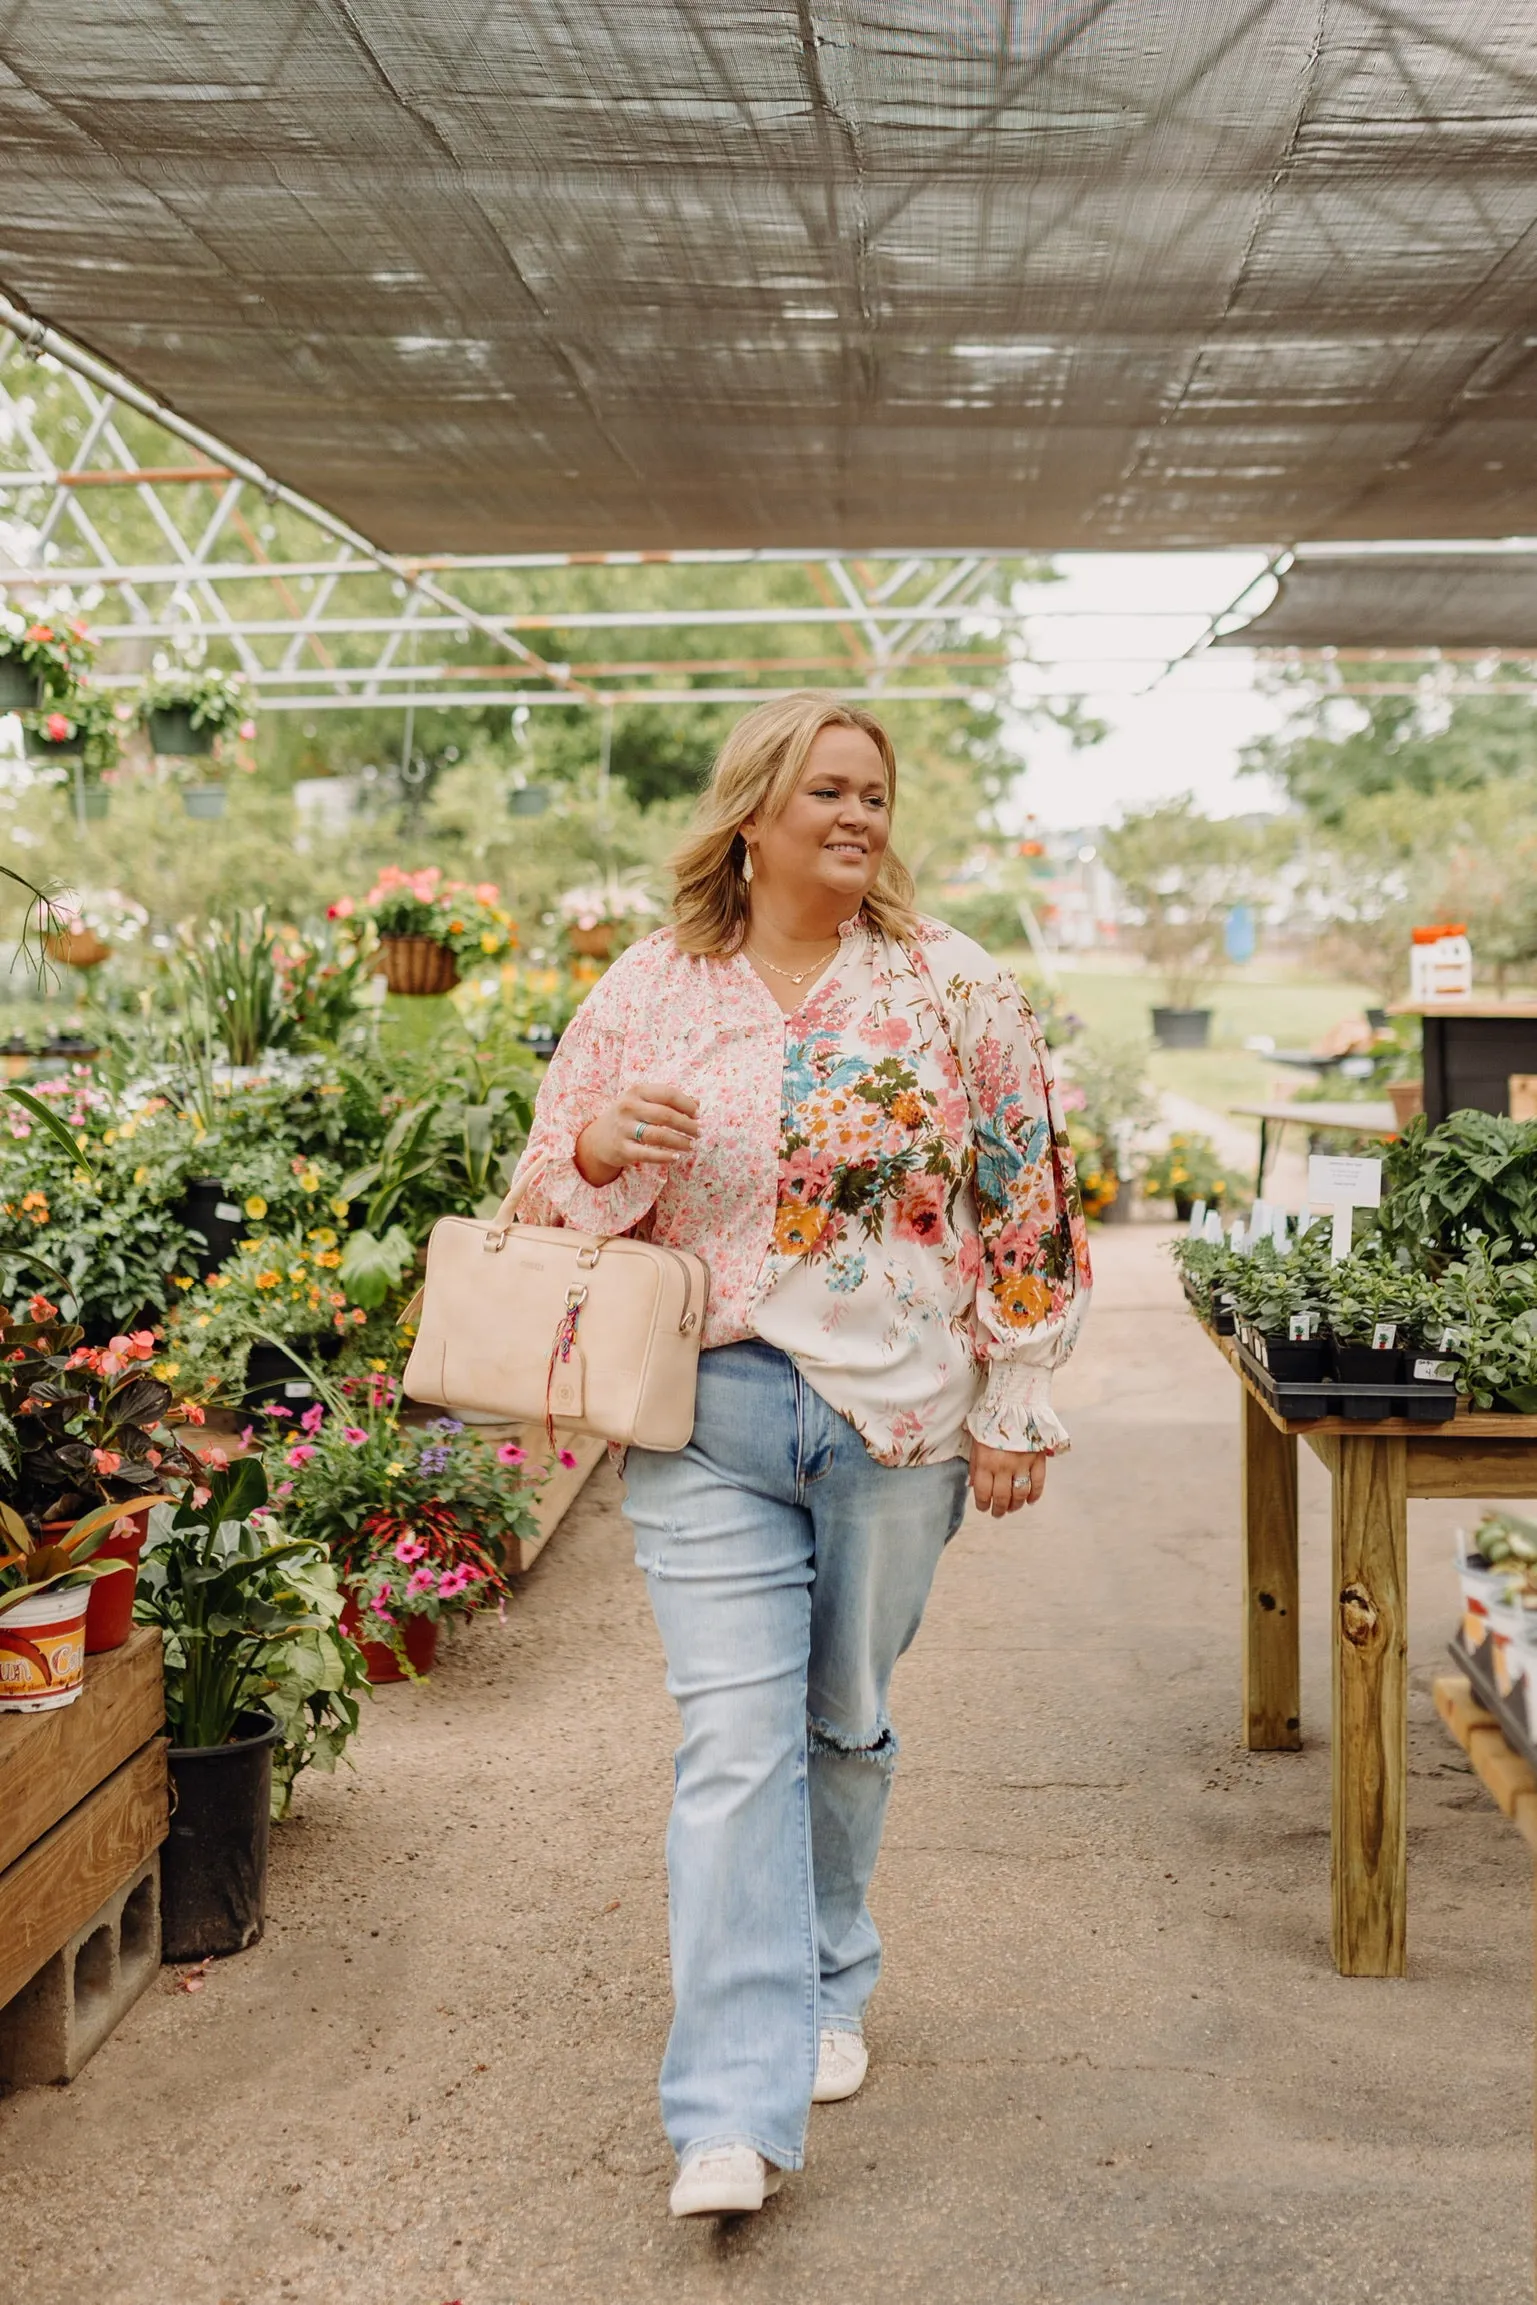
<point>506,274</point>
<point>1406,600</point>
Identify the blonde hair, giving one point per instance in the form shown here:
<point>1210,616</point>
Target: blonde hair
<point>755,773</point>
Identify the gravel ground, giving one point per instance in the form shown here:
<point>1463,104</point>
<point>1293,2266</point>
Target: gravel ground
<point>1110,2057</point>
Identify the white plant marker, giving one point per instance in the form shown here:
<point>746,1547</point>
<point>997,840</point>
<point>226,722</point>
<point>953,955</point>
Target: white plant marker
<point>1278,1233</point>
<point>1259,1219</point>
<point>1344,1184</point>
<point>1197,1224</point>
<point>1213,1228</point>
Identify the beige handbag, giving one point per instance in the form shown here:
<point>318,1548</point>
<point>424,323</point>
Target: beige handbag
<point>552,1325</point>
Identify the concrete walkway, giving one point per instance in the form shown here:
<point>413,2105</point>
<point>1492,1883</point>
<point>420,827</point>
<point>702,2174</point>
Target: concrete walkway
<point>1111,2059</point>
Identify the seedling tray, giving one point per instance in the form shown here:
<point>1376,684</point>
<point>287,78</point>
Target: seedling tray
<point>1509,1711</point>
<point>1424,1402</point>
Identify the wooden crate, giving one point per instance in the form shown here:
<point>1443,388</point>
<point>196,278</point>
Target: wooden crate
<point>83,1801</point>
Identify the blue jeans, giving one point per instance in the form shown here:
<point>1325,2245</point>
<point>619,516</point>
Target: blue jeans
<point>788,1571</point>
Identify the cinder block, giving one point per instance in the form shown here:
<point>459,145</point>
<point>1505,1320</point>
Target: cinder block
<point>63,2016</point>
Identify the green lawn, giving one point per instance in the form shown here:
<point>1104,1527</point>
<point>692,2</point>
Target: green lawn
<point>1293,1010</point>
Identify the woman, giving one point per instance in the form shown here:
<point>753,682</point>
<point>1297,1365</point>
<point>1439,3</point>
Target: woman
<point>847,1111</point>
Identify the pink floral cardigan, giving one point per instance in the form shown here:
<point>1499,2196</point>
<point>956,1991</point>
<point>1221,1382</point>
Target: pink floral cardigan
<point>882,1186</point>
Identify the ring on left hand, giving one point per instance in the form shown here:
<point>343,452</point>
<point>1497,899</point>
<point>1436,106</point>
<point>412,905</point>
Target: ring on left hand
<point>640,1132</point>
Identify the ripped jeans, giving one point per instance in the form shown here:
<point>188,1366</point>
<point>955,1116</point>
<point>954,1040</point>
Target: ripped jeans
<point>788,1570</point>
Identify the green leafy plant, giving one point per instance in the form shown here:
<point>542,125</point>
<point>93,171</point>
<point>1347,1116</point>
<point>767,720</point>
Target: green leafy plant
<point>275,1289</point>
<point>1188,1169</point>
<point>1473,1178</point>
<point>223,1592</point>
<point>310,1681</point>
<point>58,649</point>
<point>29,1565</point>
<point>210,698</point>
<point>228,976</point>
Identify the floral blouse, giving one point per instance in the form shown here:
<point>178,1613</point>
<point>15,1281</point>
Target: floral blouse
<point>882,1185</point>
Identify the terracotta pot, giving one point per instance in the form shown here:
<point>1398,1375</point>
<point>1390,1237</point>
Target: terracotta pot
<point>418,964</point>
<point>594,943</point>
<point>1407,1098</point>
<point>109,1618</point>
<point>78,948</point>
<point>420,1639</point>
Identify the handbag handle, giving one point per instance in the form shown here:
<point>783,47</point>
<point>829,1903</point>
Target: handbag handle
<point>502,1222</point>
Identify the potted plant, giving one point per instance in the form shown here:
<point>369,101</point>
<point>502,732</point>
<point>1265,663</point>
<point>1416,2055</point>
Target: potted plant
<point>1279,1304</point>
<point>1181,874</point>
<point>81,929</point>
<point>1371,1303</point>
<point>1187,1169</point>
<point>186,709</point>
<point>417,1520</point>
<point>45,1590</point>
<point>602,919</point>
<point>251,1330</point>
<point>426,926</point>
<point>88,1426</point>
<point>219,1582</point>
<point>46,657</point>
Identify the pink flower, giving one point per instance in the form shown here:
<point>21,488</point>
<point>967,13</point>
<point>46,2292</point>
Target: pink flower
<point>247,732</point>
<point>58,727</point>
<point>246,1434</point>
<point>106,1461</point>
<point>343,909</point>
<point>301,1454</point>
<point>510,1454</point>
<point>354,1436</point>
<point>453,1581</point>
<point>920,1213</point>
<point>968,1256</point>
<point>807,1176</point>
<point>312,1420</point>
<point>216,1459</point>
<point>419,1581</point>
<point>284,1489</point>
<point>41,1309</point>
<point>383,1593</point>
<point>564,1457</point>
<point>410,1549</point>
<point>486,891</point>
<point>1071,1097</point>
<point>138,1347</point>
<point>275,1409</point>
<point>894,1033</point>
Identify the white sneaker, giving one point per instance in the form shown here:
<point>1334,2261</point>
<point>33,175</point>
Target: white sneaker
<point>842,2063</point>
<point>724,2181</point>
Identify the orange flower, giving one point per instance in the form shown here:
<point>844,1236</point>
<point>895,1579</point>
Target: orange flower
<point>908,1109</point>
<point>1022,1299</point>
<point>798,1229</point>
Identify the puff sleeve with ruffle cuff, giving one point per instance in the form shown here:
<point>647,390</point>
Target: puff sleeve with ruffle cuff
<point>1015,1412</point>
<point>585,1073</point>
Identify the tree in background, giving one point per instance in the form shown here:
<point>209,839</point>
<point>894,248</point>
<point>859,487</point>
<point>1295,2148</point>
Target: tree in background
<point>1181,873</point>
<point>1416,808</point>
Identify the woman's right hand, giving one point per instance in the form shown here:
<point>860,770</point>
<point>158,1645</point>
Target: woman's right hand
<point>664,1118</point>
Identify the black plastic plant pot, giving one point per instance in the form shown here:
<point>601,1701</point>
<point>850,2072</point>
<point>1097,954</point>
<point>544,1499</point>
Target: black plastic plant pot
<point>21,689</point>
<point>72,1048</point>
<point>541,1040</point>
<point>1182,1027</point>
<point>529,800</point>
<point>213,1866</point>
<point>1295,1362</point>
<point>206,1208</point>
<point>1366,1365</point>
<point>171,731</point>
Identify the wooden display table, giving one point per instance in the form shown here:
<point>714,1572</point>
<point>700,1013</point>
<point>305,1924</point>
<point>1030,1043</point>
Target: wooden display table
<point>1367,1118</point>
<point>1374,1469</point>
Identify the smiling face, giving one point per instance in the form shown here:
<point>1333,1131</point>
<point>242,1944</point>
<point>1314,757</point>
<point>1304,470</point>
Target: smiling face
<point>832,834</point>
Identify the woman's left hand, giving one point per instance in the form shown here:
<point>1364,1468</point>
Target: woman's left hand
<point>1003,1479</point>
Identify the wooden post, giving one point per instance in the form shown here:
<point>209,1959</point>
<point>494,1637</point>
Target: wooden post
<point>1371,1757</point>
<point>1272,1702</point>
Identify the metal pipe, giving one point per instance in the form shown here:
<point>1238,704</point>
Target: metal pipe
<point>36,336</point>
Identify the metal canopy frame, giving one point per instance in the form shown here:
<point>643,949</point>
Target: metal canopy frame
<point>325,620</point>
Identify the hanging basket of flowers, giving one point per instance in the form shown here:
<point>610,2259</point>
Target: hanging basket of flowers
<point>42,661</point>
<point>81,930</point>
<point>601,921</point>
<point>427,927</point>
<point>185,711</point>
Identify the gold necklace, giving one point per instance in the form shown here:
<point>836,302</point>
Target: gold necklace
<point>775,970</point>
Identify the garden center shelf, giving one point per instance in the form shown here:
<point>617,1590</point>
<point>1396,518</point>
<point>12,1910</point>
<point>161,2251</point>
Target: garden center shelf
<point>1374,1468</point>
<point>84,1807</point>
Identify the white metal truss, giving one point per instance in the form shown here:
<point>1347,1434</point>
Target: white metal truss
<point>103,509</point>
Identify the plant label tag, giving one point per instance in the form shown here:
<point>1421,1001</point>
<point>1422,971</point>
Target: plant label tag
<point>1297,1328</point>
<point>227,1212</point>
<point>1197,1219</point>
<point>1212,1230</point>
<point>1338,1181</point>
<point>1236,1239</point>
<point>1448,1339</point>
<point>1259,1218</point>
<point>1384,1336</point>
<point>297,1389</point>
<point>1431,1372</point>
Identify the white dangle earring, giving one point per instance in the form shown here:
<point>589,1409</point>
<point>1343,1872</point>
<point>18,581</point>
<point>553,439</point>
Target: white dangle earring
<point>746,863</point>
